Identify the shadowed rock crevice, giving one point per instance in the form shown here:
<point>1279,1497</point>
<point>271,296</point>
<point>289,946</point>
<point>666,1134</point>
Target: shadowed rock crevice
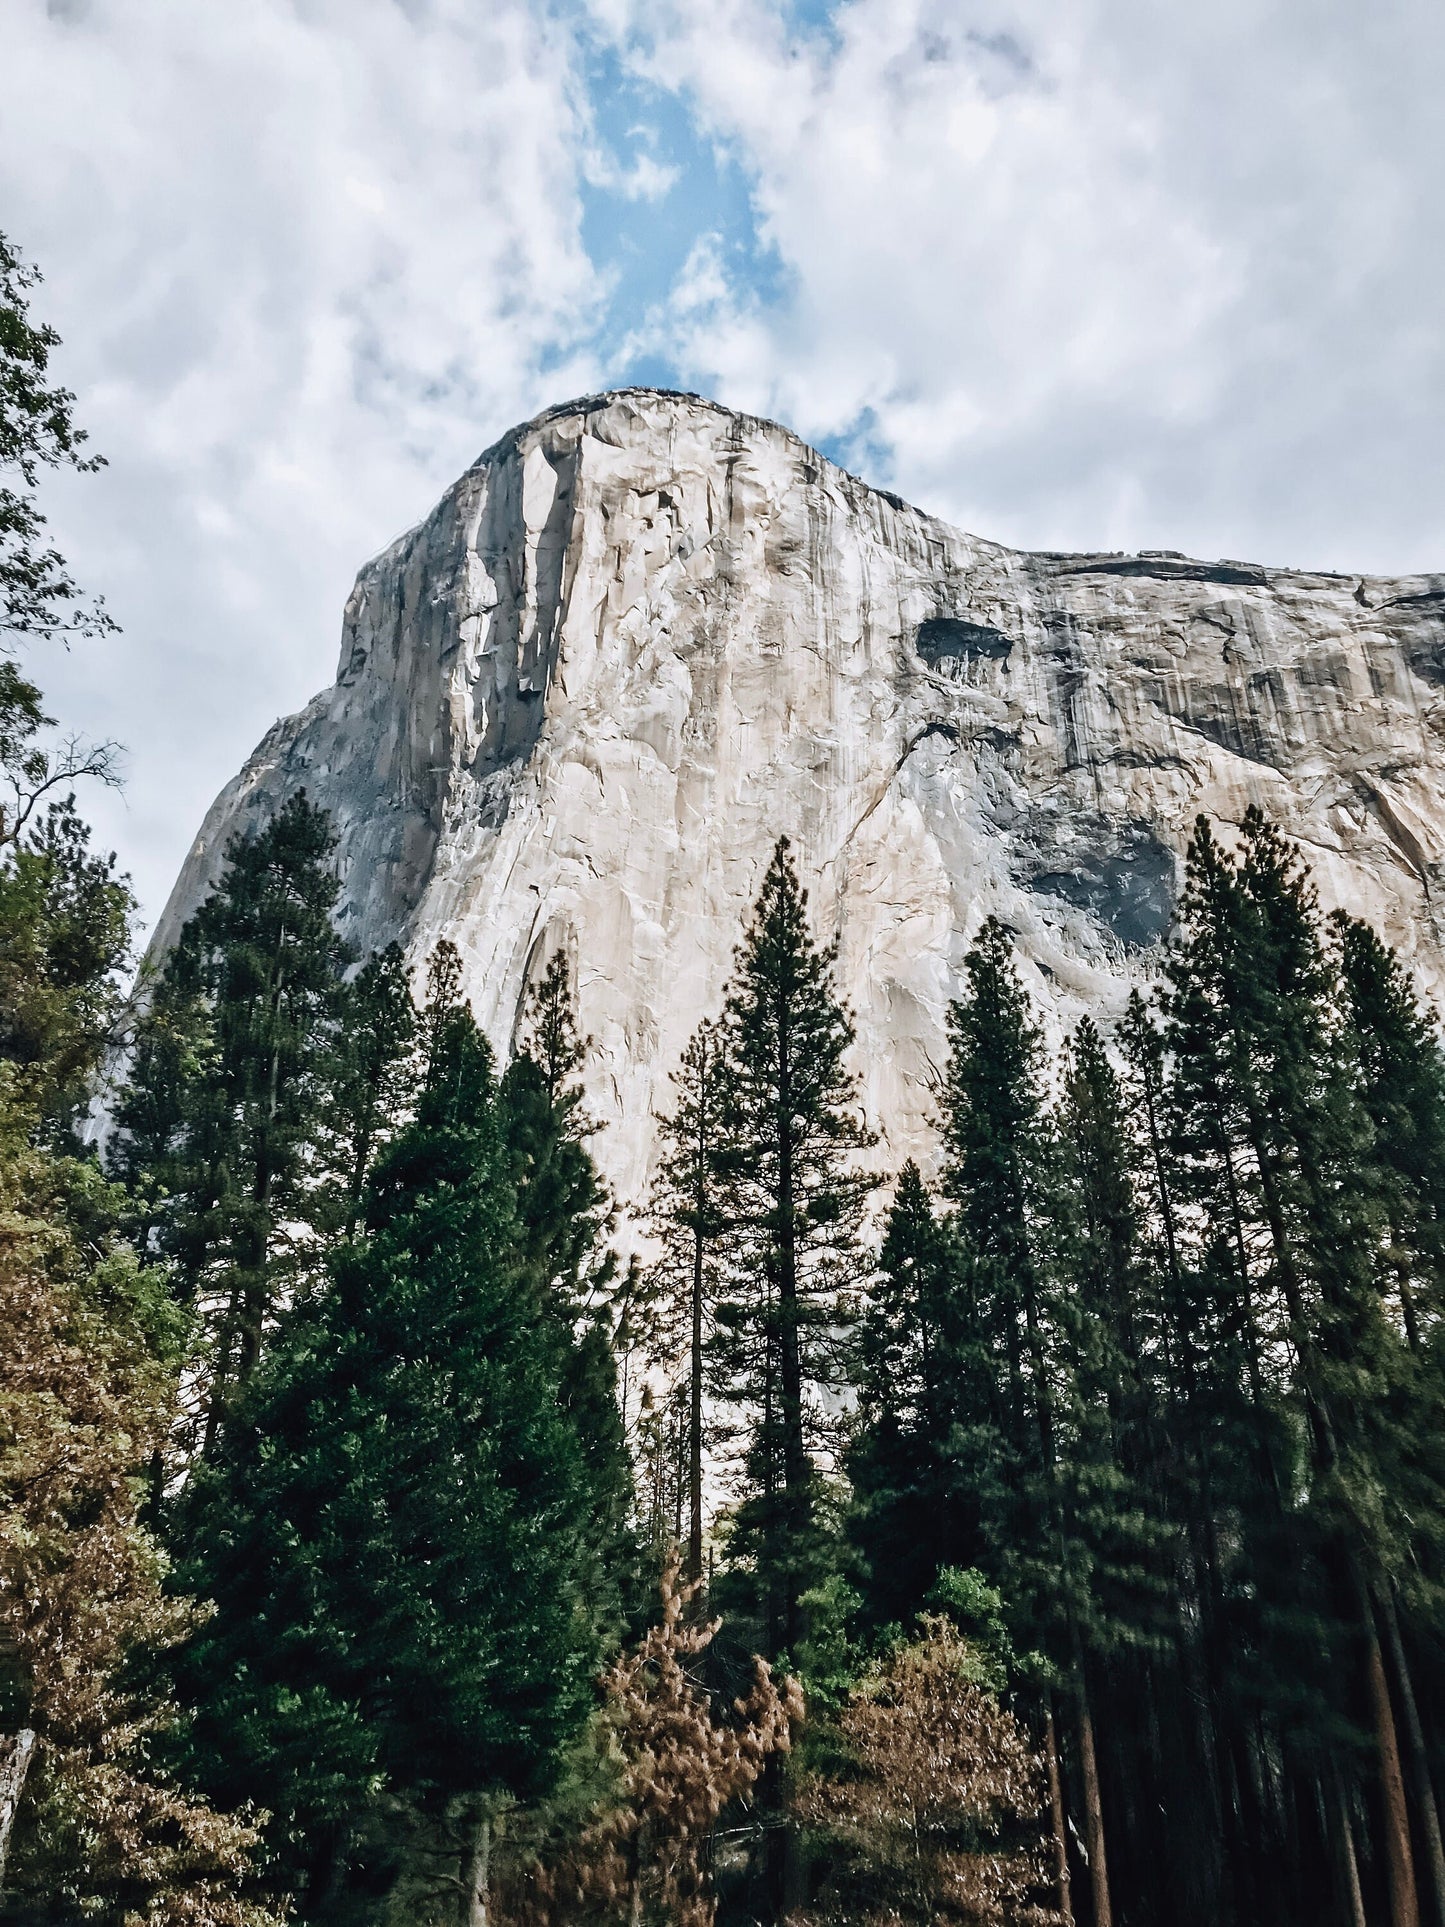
<point>1122,874</point>
<point>951,639</point>
<point>1163,567</point>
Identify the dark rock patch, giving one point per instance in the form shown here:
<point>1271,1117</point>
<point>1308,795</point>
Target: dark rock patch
<point>951,638</point>
<point>1162,567</point>
<point>1122,875</point>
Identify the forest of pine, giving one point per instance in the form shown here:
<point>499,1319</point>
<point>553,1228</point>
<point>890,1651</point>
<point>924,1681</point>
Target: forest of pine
<point>397,1529</point>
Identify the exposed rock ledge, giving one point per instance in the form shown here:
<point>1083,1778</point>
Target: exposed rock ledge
<point>643,635</point>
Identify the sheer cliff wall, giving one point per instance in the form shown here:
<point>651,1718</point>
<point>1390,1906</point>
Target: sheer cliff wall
<point>644,636</point>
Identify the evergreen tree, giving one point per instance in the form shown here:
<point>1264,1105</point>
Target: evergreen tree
<point>564,1220</point>
<point>1317,1447</point>
<point>793,1198</point>
<point>688,1219</point>
<point>1401,1069</point>
<point>912,1374</point>
<point>1036,1468</point>
<point>566,1214</point>
<point>370,1084</point>
<point>228,1085</point>
<point>396,1532</point>
<point>995,1147</point>
<point>1107,1322</point>
<point>996,1175</point>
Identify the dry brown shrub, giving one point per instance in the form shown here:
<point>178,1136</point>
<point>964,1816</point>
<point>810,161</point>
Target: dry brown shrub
<point>935,1817</point>
<point>643,1857</point>
<point>85,1405</point>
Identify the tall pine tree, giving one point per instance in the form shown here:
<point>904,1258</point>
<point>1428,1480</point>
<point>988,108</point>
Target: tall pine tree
<point>228,1083</point>
<point>688,1218</point>
<point>794,1194</point>
<point>565,1216</point>
<point>917,1382</point>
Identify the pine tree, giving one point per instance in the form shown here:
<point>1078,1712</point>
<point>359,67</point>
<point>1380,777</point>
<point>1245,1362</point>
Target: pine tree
<point>793,1197</point>
<point>565,1216</point>
<point>1107,1318</point>
<point>995,1150</point>
<point>995,1174</point>
<point>688,1219</point>
<point>1036,1466</point>
<point>917,1381</point>
<point>1274,1159</point>
<point>228,1084</point>
<point>396,1532</point>
<point>370,1084</point>
<point>1401,1068</point>
<point>566,1213</point>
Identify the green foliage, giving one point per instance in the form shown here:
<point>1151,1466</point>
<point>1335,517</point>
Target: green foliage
<point>64,940</point>
<point>964,1597</point>
<point>37,431</point>
<point>369,1082</point>
<point>830,1659</point>
<point>688,1220</point>
<point>564,1216</point>
<point>1400,1066</point>
<point>234,1068</point>
<point>915,1367</point>
<point>396,1533</point>
<point>564,1211</point>
<point>793,1195</point>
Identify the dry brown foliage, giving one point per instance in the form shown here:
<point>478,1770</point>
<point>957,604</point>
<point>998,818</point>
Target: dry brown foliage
<point>643,1857</point>
<point>936,1817</point>
<point>85,1403</point>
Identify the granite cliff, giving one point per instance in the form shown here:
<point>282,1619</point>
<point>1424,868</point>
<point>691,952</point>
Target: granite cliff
<point>643,636</point>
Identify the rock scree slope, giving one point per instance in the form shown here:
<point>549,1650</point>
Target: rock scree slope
<point>643,636</point>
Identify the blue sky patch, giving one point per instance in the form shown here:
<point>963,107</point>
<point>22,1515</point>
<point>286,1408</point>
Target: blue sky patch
<point>660,186</point>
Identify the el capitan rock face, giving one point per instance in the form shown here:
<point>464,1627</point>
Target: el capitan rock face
<point>643,636</point>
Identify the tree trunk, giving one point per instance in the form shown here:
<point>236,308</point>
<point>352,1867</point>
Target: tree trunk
<point>1399,1861</point>
<point>789,1346</point>
<point>1093,1812</point>
<point>1348,1860</point>
<point>476,1881</point>
<point>1421,1783</point>
<point>1057,1820</point>
<point>16,1753</point>
<point>694,1444</point>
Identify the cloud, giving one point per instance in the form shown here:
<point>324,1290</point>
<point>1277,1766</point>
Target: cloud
<point>1097,275</point>
<point>1111,274</point>
<point>307,259</point>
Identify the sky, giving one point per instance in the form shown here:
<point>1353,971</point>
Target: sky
<point>1069,273</point>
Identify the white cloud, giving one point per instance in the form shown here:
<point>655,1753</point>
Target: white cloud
<point>1108,273</point>
<point>307,259</point>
